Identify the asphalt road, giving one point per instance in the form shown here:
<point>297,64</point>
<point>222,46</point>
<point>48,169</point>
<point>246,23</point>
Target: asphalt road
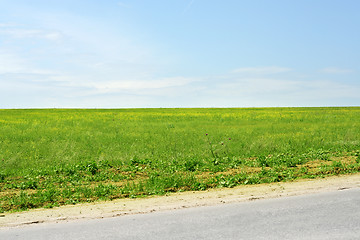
<point>332,215</point>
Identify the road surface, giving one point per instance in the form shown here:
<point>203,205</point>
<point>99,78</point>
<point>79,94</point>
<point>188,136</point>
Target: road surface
<point>331,215</point>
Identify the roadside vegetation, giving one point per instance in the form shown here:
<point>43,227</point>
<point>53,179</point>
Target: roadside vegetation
<point>53,157</point>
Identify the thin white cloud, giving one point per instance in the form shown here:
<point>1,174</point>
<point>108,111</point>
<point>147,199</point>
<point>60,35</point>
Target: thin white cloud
<point>188,6</point>
<point>335,70</point>
<point>122,4</point>
<point>53,36</point>
<point>13,64</point>
<point>31,33</point>
<point>91,85</point>
<point>262,70</point>
<point>261,85</point>
<point>116,86</point>
<point>261,92</point>
<point>4,25</point>
<point>10,63</point>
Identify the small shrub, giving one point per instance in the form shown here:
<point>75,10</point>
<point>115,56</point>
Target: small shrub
<point>92,168</point>
<point>263,161</point>
<point>30,184</point>
<point>191,165</point>
<point>2,177</point>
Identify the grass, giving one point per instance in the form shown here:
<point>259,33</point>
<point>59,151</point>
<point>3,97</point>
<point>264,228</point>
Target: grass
<point>53,157</point>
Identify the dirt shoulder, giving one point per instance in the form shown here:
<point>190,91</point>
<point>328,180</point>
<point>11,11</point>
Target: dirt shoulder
<point>178,200</point>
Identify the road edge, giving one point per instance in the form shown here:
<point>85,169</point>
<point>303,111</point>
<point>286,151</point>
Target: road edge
<point>178,200</point>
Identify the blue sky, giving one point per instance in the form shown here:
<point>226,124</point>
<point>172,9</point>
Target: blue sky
<point>179,53</point>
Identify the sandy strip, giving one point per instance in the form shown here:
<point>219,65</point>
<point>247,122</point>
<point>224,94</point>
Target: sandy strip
<point>177,200</point>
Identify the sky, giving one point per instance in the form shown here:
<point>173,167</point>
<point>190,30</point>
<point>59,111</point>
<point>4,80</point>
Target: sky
<point>179,53</point>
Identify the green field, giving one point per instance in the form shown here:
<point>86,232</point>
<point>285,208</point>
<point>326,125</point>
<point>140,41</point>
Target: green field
<point>52,157</point>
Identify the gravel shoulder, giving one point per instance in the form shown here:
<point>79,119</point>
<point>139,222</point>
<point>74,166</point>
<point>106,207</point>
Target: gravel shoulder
<point>177,201</point>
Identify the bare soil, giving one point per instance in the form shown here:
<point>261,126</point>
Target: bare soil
<point>178,200</point>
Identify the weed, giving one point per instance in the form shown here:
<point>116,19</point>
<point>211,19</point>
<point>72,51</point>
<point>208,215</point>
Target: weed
<point>219,150</point>
<point>357,155</point>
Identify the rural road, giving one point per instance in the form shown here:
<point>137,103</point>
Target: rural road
<point>327,215</point>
